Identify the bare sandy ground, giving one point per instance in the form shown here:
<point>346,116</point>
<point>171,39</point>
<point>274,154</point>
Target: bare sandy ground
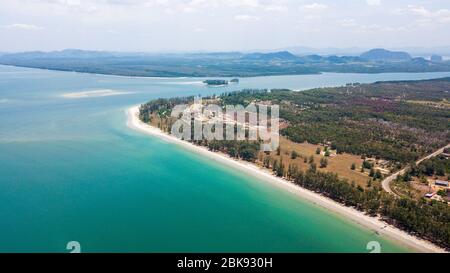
<point>375,224</point>
<point>93,94</point>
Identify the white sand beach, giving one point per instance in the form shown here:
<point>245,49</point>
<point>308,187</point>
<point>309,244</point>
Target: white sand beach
<point>388,231</point>
<point>93,94</point>
<point>199,83</point>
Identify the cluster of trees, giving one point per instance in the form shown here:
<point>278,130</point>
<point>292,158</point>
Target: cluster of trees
<point>375,174</point>
<point>439,166</point>
<point>162,107</point>
<point>429,220</point>
<point>242,97</point>
<point>246,150</point>
<point>279,168</point>
<point>323,162</point>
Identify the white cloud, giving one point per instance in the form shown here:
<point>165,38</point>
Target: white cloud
<point>353,25</point>
<point>242,3</point>
<point>162,24</point>
<point>314,7</point>
<point>419,10</point>
<point>347,22</point>
<point>246,18</point>
<point>276,8</point>
<point>22,27</point>
<point>426,15</point>
<point>373,2</point>
<point>73,2</point>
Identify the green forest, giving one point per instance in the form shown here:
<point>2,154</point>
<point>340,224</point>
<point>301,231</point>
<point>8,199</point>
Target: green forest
<point>375,120</point>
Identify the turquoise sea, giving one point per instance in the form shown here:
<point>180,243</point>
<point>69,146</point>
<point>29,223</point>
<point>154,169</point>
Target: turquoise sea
<point>71,170</point>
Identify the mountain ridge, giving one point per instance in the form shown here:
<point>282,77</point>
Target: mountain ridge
<point>220,64</point>
<point>381,54</point>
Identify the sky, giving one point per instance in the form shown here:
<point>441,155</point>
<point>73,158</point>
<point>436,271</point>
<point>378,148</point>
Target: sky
<point>221,25</point>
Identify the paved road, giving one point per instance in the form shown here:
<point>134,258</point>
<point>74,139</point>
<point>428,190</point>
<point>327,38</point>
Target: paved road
<point>385,183</point>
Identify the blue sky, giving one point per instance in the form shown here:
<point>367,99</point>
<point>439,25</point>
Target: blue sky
<point>221,25</point>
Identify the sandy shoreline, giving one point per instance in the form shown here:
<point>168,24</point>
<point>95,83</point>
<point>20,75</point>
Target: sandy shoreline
<point>93,94</point>
<point>372,223</point>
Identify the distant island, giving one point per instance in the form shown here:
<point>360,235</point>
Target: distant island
<point>216,82</point>
<point>343,142</point>
<point>222,64</point>
<point>220,82</point>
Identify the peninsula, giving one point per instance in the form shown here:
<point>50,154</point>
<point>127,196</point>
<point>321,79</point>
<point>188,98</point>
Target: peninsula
<point>350,138</point>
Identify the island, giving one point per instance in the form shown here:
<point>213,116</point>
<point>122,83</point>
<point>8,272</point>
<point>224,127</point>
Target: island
<point>215,82</point>
<point>342,143</point>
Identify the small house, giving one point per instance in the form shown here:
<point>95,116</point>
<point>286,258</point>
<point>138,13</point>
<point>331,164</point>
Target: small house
<point>441,183</point>
<point>429,195</point>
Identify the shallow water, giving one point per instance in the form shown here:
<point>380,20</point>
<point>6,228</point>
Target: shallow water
<point>71,170</point>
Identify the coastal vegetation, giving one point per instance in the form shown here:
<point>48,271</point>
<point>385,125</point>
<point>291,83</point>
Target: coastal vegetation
<point>370,129</point>
<point>372,120</point>
<point>226,64</point>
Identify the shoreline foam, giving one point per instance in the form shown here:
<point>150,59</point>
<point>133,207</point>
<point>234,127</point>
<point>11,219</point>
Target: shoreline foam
<point>372,223</point>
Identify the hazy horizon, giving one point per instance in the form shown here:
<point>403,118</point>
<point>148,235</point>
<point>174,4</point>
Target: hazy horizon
<point>444,51</point>
<point>221,26</point>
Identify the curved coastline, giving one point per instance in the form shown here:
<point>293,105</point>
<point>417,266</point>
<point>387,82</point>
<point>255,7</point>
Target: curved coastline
<point>375,224</point>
